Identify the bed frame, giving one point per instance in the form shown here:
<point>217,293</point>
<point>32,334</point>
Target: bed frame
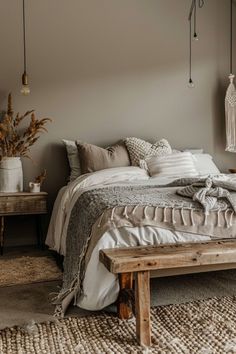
<point>165,260</point>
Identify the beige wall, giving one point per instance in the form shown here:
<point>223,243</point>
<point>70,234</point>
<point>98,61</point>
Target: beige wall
<point>105,69</point>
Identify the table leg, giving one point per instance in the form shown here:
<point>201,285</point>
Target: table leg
<point>125,297</point>
<point>39,229</point>
<point>142,307</point>
<point>1,234</point>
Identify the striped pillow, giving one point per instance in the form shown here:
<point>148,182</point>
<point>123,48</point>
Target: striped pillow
<point>173,165</point>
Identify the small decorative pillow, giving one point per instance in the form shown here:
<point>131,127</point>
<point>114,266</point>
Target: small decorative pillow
<point>140,149</point>
<point>73,159</point>
<point>173,165</point>
<point>94,158</point>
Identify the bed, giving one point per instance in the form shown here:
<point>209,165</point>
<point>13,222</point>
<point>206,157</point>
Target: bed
<point>132,217</point>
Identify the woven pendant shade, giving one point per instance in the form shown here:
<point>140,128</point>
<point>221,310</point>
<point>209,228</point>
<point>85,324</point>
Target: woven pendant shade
<point>230,98</point>
<point>230,114</point>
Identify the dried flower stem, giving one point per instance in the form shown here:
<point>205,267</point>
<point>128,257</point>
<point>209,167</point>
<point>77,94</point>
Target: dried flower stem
<point>13,141</point>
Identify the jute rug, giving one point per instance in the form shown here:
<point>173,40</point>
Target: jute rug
<point>200,327</point>
<point>27,270</point>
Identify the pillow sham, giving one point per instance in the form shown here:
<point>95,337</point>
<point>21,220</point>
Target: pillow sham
<point>173,165</point>
<point>94,158</point>
<point>73,159</point>
<point>194,151</point>
<point>140,149</point>
<point>205,165</point>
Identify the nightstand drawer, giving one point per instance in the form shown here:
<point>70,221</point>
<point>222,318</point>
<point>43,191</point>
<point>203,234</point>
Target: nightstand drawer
<point>26,205</point>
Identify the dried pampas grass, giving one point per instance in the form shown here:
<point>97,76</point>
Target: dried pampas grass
<point>16,142</point>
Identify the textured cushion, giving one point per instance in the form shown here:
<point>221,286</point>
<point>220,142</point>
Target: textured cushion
<point>94,158</point>
<point>140,149</point>
<point>173,165</point>
<point>73,159</point>
<point>205,164</point>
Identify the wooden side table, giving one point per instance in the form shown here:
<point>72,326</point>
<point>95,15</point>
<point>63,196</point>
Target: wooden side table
<point>24,203</point>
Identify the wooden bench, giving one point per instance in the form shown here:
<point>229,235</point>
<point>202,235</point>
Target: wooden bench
<point>199,257</point>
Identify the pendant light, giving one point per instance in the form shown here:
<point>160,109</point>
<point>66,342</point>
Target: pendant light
<point>193,34</point>
<point>25,89</point>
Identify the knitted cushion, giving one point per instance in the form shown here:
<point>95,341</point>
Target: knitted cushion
<point>140,149</point>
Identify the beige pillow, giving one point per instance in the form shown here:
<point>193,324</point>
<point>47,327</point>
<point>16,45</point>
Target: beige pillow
<point>94,158</point>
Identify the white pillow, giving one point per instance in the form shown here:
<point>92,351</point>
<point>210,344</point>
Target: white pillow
<point>194,151</point>
<point>73,158</point>
<point>205,164</point>
<point>173,165</point>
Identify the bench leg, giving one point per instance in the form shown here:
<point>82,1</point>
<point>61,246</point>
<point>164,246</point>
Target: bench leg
<point>2,227</point>
<point>142,307</point>
<point>124,302</point>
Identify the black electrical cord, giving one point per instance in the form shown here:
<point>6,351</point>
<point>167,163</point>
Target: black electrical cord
<point>24,39</point>
<point>193,12</point>
<point>231,36</point>
<point>201,3</point>
<point>194,4</point>
<point>190,53</point>
<point>195,21</point>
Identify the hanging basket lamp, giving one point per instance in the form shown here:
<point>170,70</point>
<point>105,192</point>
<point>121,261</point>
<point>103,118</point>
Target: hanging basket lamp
<point>230,98</point>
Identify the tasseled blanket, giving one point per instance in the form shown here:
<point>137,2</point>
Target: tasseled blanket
<point>203,207</point>
<point>208,192</point>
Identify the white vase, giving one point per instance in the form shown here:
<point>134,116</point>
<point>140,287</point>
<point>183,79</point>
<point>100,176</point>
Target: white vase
<point>11,175</point>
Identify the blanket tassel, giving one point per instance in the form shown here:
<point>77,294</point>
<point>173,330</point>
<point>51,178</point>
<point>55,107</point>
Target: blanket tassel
<point>218,219</point>
<point>192,217</point>
<point>155,213</point>
<point>182,216</point>
<point>173,216</point>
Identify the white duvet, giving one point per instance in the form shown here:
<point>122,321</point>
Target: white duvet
<point>100,288</point>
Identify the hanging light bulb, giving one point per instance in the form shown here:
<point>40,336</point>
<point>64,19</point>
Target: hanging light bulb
<point>191,83</point>
<point>195,36</point>
<point>25,89</point>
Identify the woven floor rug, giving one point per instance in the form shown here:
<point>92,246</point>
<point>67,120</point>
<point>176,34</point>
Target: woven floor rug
<point>27,270</point>
<point>201,327</point>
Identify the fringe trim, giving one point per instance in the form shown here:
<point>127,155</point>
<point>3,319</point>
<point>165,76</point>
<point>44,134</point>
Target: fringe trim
<point>155,213</point>
<point>182,216</point>
<point>218,218</point>
<point>192,217</point>
<point>164,215</point>
<point>173,216</point>
<point>125,212</point>
<point>228,219</point>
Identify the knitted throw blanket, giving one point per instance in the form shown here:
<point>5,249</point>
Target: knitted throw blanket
<point>209,191</point>
<point>115,206</point>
